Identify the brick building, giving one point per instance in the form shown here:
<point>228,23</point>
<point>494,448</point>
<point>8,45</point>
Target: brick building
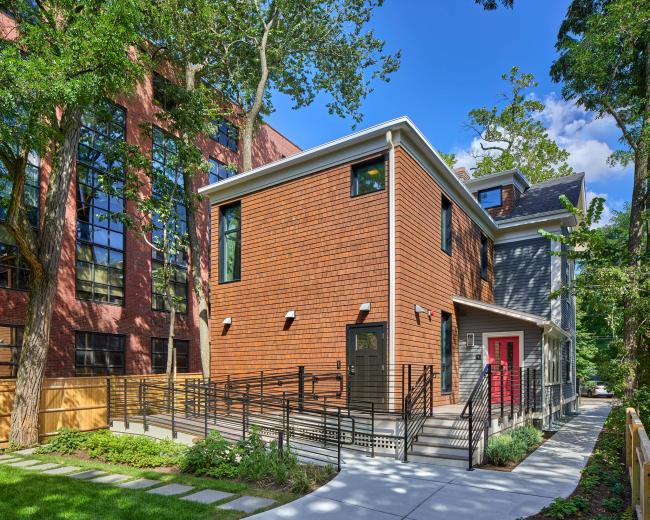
<point>106,316</point>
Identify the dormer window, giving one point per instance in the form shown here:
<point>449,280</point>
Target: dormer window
<point>490,198</point>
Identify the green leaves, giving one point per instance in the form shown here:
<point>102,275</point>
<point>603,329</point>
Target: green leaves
<point>512,136</point>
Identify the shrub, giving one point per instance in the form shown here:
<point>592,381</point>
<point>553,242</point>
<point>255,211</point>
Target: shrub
<point>213,456</point>
<point>566,507</point>
<point>66,441</point>
<point>512,447</point>
<point>141,452</point>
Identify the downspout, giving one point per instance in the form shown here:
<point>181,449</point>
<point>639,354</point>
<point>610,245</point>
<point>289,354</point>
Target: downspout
<point>391,269</point>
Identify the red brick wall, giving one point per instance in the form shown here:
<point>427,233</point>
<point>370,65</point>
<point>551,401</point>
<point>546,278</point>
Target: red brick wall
<point>135,319</point>
<point>307,246</point>
<point>425,274</point>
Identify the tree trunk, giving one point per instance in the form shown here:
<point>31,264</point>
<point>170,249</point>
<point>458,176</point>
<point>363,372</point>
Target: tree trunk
<point>195,252</point>
<point>254,112</point>
<point>42,290</point>
<point>170,371</point>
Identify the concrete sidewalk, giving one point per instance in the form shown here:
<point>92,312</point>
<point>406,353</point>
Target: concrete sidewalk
<point>368,488</point>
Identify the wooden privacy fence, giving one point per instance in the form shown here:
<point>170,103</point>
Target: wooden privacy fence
<point>637,461</point>
<point>74,402</point>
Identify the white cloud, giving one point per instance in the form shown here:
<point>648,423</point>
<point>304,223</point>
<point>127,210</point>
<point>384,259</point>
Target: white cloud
<point>586,138</point>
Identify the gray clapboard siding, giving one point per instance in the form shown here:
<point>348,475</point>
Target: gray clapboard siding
<point>522,276</point>
<point>477,322</point>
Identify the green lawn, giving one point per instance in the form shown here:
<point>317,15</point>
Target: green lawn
<point>26,494</point>
<point>29,495</point>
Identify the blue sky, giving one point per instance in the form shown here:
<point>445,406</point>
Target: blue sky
<point>453,54</point>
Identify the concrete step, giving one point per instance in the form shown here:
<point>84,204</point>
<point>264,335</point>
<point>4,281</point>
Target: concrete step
<point>447,422</point>
<point>434,451</point>
<point>457,462</point>
<point>442,431</point>
<point>436,440</point>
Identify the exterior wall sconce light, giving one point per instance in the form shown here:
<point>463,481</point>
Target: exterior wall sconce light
<point>290,315</point>
<point>419,309</point>
<point>365,307</point>
<point>227,321</point>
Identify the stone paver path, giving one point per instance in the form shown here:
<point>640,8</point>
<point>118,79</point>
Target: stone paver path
<point>383,489</point>
<point>207,496</point>
<point>247,504</point>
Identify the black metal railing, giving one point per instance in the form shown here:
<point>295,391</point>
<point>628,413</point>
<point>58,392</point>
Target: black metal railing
<point>418,405</point>
<point>499,392</point>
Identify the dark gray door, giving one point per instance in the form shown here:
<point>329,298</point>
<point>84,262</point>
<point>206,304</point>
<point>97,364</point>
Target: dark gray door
<point>366,356</point>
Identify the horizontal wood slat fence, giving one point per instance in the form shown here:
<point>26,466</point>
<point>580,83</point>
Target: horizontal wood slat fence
<point>74,402</point>
<point>637,461</point>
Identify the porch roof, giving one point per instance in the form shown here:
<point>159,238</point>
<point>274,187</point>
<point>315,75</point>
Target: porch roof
<point>540,321</point>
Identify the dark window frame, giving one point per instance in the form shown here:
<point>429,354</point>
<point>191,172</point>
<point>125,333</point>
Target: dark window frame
<point>157,369</point>
<point>446,353</point>
<point>14,346</point>
<point>485,254</point>
<point>180,262</point>
<point>446,225</point>
<point>96,369</point>
<point>212,178</point>
<point>354,187</point>
<point>160,87</point>
<point>110,227</point>
<point>223,234</point>
<point>18,271</point>
<point>488,190</point>
<point>226,134</point>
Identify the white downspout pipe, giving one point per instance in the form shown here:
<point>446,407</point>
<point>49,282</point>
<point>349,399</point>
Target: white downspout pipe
<point>391,269</point>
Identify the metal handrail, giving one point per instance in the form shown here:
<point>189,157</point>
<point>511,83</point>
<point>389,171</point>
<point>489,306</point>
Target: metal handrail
<point>418,405</point>
<point>478,411</point>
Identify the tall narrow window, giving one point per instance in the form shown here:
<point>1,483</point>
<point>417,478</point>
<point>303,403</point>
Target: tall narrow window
<point>165,161</point>
<point>100,234</point>
<point>446,226</point>
<point>98,354</point>
<point>230,243</point>
<point>11,341</point>
<point>445,354</point>
<point>159,355</point>
<point>484,257</point>
<point>31,191</point>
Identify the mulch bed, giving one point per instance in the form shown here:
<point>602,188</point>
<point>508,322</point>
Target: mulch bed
<point>510,467</point>
<point>600,494</point>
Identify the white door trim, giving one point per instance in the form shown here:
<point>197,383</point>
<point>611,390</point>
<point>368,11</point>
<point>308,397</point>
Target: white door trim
<point>518,333</point>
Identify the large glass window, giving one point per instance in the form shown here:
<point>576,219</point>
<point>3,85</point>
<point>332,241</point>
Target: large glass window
<point>484,257</point>
<point>230,243</point>
<point>163,92</point>
<point>165,161</point>
<point>98,354</point>
<point>159,355</point>
<point>490,198</point>
<point>11,342</point>
<point>445,354</point>
<point>368,177</point>
<point>220,171</point>
<point>14,270</point>
<point>31,192</point>
<point>100,235</point>
<point>226,134</point>
<point>446,226</point>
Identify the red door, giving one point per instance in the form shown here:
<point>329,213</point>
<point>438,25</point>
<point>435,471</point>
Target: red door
<point>503,355</point>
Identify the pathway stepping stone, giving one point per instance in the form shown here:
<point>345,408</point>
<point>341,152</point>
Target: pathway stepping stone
<point>9,461</point>
<point>26,451</point>
<point>171,489</point>
<point>43,467</point>
<point>207,496</point>
<point>111,479</point>
<point>62,470</point>
<point>140,483</point>
<point>24,463</point>
<point>5,457</point>
<point>88,474</point>
<point>247,504</point>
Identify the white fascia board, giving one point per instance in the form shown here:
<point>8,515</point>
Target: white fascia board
<point>348,149</point>
<point>561,216</point>
<point>525,232</point>
<point>498,179</point>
